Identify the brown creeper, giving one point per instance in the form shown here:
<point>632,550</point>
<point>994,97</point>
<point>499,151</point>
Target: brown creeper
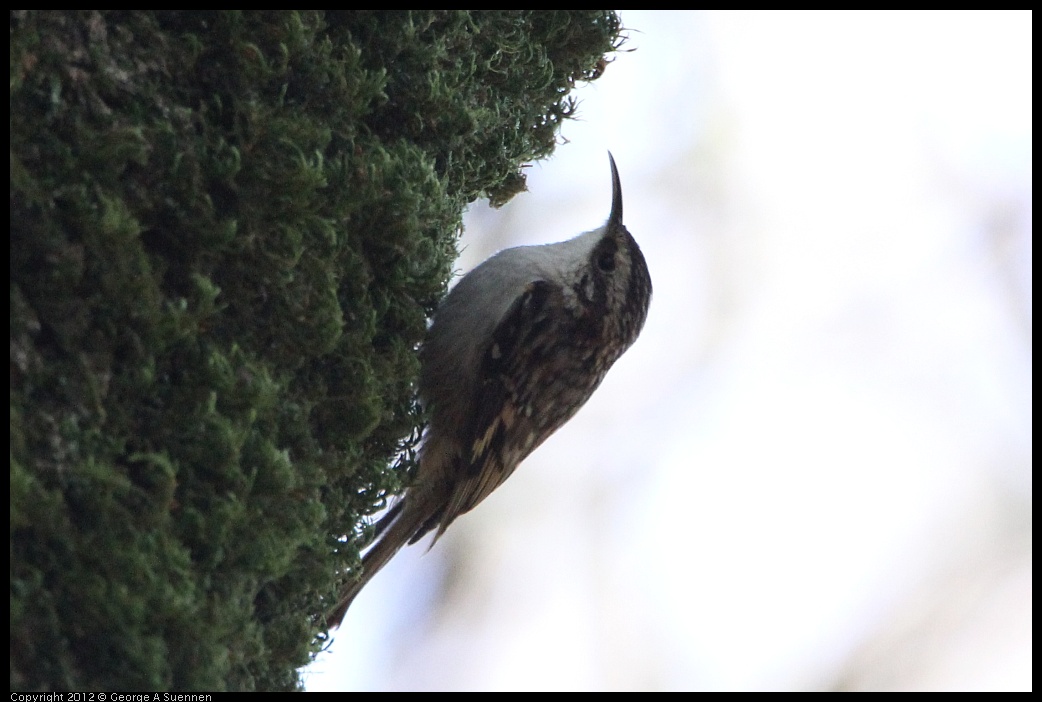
<point>514,351</point>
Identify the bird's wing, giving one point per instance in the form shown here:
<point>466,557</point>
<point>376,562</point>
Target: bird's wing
<point>502,430</point>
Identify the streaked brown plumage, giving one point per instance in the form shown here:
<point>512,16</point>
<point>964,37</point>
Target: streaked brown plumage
<point>515,349</point>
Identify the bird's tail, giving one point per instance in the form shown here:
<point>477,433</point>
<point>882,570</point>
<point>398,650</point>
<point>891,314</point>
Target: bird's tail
<point>394,530</point>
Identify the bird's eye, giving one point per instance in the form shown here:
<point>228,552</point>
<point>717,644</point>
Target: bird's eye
<point>606,261</point>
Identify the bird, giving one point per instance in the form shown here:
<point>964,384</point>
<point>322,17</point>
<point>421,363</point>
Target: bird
<point>513,351</point>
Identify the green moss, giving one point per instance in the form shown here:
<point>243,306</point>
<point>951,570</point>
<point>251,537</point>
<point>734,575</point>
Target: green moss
<point>227,231</point>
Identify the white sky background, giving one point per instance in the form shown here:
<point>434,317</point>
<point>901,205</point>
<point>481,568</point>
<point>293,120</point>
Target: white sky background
<point>813,469</point>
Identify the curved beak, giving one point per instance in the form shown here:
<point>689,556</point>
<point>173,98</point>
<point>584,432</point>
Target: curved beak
<point>615,218</point>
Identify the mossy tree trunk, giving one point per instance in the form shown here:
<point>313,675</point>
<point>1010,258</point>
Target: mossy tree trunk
<point>227,231</point>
